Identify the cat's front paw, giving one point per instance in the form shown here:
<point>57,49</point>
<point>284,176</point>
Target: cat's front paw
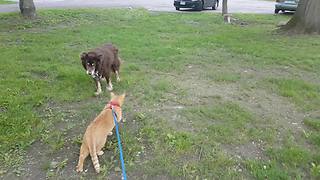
<point>79,169</point>
<point>100,153</point>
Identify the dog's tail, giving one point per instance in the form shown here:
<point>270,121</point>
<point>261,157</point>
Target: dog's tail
<point>94,157</point>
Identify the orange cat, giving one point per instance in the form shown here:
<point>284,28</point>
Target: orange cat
<point>96,134</point>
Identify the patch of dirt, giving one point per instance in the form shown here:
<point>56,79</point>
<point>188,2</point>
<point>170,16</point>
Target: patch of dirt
<point>265,105</point>
<point>236,21</point>
<point>36,161</point>
<point>252,150</point>
<point>168,112</point>
<point>277,72</point>
<point>260,102</point>
<point>3,108</point>
<point>41,158</point>
<point>39,74</point>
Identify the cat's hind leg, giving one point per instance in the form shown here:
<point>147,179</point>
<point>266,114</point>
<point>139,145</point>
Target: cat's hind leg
<point>84,152</point>
<point>94,158</point>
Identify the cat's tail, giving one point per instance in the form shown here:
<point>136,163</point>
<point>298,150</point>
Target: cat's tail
<point>94,158</point>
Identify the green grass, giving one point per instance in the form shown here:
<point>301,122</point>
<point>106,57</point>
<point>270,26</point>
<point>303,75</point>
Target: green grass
<point>263,170</point>
<point>225,123</point>
<point>313,123</point>
<point>313,135</point>
<point>292,156</point>
<point>194,109</point>
<point>6,2</point>
<point>224,77</point>
<point>299,92</point>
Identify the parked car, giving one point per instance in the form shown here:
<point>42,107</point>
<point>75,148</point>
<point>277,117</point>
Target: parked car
<point>196,4</point>
<point>286,5</point>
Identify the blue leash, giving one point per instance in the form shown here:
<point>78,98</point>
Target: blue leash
<point>124,176</point>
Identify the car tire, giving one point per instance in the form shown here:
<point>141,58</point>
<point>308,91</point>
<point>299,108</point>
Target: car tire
<point>200,7</point>
<point>276,11</point>
<point>177,8</point>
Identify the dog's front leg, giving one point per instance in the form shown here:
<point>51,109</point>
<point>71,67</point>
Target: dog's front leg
<point>98,86</point>
<point>109,84</point>
<point>117,75</point>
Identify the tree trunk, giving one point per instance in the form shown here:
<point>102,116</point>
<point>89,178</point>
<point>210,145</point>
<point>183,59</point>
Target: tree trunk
<point>306,19</point>
<point>225,14</point>
<point>27,8</point>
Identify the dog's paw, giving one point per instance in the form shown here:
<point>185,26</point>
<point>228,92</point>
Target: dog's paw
<point>97,93</point>
<point>109,88</point>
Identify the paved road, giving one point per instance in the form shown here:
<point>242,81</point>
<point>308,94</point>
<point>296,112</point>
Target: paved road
<point>235,6</point>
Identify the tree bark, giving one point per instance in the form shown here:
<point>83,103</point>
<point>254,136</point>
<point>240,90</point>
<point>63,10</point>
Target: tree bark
<point>306,19</point>
<point>27,8</point>
<point>225,14</point>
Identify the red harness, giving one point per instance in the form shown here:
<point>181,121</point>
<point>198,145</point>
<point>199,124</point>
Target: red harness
<point>112,104</point>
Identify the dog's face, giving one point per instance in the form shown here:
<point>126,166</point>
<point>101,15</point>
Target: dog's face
<point>90,62</point>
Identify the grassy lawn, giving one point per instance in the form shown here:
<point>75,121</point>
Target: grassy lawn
<point>6,2</point>
<point>205,100</point>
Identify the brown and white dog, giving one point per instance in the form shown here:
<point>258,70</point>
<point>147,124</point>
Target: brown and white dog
<point>100,63</point>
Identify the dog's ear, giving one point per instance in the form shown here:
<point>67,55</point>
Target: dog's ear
<point>115,50</point>
<point>83,55</point>
<point>83,60</point>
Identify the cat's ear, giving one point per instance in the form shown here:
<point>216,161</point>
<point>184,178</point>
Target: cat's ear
<point>112,95</point>
<point>121,98</point>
